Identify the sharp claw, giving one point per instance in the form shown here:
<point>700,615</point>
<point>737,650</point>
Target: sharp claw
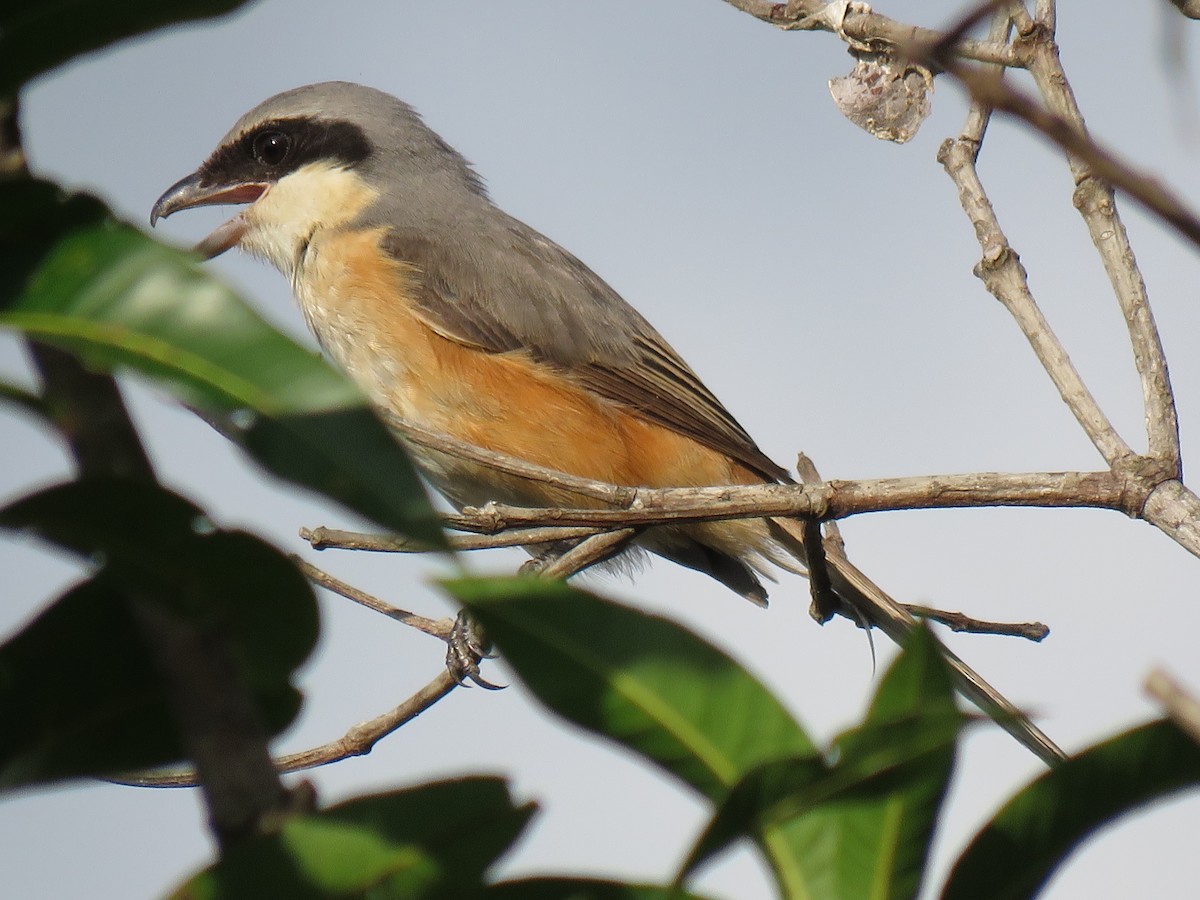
<point>482,682</point>
<point>464,649</point>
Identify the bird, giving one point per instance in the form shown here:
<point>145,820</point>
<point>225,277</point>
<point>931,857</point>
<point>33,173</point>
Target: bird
<point>457,317</point>
<point>454,316</point>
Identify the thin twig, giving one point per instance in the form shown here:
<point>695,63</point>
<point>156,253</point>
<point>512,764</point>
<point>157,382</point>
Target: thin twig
<point>438,628</point>
<point>1005,278</point>
<point>1020,16</point>
<point>362,738</point>
<point>1103,163</point>
<point>322,538</point>
<point>358,741</point>
<point>896,622</point>
<point>956,621</point>
<point>586,553</point>
<point>807,470</point>
<point>979,115</point>
<point>824,603</point>
<point>1097,171</point>
<point>872,602</point>
<point>1167,503</point>
<point>1094,199</point>
<point>945,43</point>
<point>1180,706</point>
<point>1136,491</point>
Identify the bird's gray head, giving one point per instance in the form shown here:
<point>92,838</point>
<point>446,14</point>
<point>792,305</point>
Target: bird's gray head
<point>318,156</point>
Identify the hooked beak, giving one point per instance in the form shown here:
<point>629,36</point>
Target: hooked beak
<point>190,192</point>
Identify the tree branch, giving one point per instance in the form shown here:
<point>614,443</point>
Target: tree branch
<point>322,538</point>
<point>358,741</point>
<point>860,26</point>
<point>1005,278</point>
<point>956,621</point>
<point>442,629</point>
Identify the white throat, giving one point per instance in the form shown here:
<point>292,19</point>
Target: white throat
<point>281,223</point>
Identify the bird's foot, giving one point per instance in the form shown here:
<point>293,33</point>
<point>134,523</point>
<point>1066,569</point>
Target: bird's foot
<point>466,647</point>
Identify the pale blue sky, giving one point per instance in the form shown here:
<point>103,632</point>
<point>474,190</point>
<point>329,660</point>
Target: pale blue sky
<point>818,280</point>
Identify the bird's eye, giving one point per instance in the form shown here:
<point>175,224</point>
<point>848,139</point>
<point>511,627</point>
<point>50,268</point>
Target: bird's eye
<point>271,147</point>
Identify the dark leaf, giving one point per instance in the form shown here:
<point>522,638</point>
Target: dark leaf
<point>36,35</point>
<point>1035,832</point>
<point>860,825</point>
<point>78,688</point>
<point>79,695</point>
<point>156,545</point>
<point>582,889</point>
<point>639,679</point>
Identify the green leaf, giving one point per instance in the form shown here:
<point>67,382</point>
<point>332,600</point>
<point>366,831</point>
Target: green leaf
<point>435,840</point>
<point>917,690</point>
<point>157,545</point>
<point>581,889</point>
<point>100,705</point>
<point>858,826</point>
<point>79,694</point>
<point>72,276</point>
<point>639,679</point>
<point>875,846</point>
<point>36,35</point>
<point>1033,834</point>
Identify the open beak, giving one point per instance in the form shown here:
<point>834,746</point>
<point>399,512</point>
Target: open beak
<point>190,192</point>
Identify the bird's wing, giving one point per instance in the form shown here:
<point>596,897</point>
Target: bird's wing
<point>516,290</point>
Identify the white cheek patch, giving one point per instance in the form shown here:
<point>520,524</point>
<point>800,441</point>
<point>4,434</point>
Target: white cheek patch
<point>315,196</point>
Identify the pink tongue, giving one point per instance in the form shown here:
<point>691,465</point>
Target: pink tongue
<point>222,239</point>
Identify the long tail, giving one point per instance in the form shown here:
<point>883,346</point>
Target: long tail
<point>877,608</point>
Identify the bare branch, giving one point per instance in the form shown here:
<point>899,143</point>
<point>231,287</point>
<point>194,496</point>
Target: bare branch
<point>586,553</point>
<point>1020,16</point>
<point>1175,510</point>
<point>1046,15</point>
<point>322,538</point>
<point>979,115</point>
<point>1005,278</point>
<point>1095,180</point>
<point>438,628</point>
<point>825,603</point>
<point>831,500</point>
<point>358,741</point>
<point>1097,171</point>
<point>956,621</point>
<point>945,43</point>
<point>1104,164</point>
<point>895,621</point>
<point>860,26</point>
